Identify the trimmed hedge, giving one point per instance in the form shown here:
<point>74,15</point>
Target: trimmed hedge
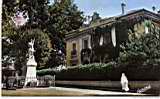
<point>90,68</point>
<point>110,71</point>
<point>46,72</point>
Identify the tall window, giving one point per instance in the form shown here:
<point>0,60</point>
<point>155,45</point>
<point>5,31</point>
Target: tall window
<point>85,43</point>
<point>107,38</point>
<point>74,59</point>
<point>74,51</point>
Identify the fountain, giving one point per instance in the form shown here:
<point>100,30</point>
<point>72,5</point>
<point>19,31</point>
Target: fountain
<point>31,65</point>
<point>124,82</point>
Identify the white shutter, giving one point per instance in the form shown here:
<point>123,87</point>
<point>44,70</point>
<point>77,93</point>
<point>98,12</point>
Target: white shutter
<point>101,41</point>
<point>113,34</point>
<point>146,30</point>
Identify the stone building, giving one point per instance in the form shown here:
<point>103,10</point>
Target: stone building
<point>100,40</point>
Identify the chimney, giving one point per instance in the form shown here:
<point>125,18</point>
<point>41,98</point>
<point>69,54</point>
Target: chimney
<point>123,7</point>
<point>154,9</point>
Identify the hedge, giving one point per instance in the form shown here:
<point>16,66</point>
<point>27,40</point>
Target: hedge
<point>110,71</point>
<point>46,72</point>
<point>90,68</point>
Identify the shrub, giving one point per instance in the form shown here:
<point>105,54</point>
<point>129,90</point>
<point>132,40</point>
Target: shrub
<point>94,68</point>
<point>141,49</point>
<point>46,72</point>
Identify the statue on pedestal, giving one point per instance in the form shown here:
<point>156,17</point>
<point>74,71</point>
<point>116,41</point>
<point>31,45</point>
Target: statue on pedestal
<point>31,66</point>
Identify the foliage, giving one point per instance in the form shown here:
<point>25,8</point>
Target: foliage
<point>63,17</point>
<point>95,67</point>
<point>19,47</point>
<point>90,68</point>
<point>47,24</point>
<point>141,49</point>
<point>46,72</point>
<point>41,45</point>
<point>20,36</point>
<point>37,11</point>
<point>110,71</point>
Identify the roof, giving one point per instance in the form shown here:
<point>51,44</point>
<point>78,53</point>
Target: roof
<point>109,21</point>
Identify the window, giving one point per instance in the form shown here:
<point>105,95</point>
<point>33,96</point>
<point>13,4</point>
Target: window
<point>74,46</point>
<point>85,43</point>
<point>107,39</point>
<point>74,58</point>
<point>74,51</point>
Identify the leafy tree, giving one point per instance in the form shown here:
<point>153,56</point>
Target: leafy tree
<point>19,37</point>
<point>19,47</point>
<point>47,23</point>
<point>37,11</point>
<point>141,49</point>
<point>64,17</point>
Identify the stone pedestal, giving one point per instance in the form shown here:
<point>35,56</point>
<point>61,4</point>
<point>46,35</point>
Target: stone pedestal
<point>31,71</point>
<point>30,75</point>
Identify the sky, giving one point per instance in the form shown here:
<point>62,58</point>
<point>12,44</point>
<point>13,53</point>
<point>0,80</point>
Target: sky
<point>108,8</point>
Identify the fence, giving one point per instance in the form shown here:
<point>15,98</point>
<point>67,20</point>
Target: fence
<point>18,82</point>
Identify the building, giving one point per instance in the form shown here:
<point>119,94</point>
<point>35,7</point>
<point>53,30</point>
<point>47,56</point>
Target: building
<point>100,40</point>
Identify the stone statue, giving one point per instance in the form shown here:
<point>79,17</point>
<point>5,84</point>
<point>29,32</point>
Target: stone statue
<point>31,65</point>
<point>124,82</point>
<point>31,49</point>
<point>31,59</point>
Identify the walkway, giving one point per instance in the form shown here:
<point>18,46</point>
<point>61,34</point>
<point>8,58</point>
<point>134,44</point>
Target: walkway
<point>61,91</point>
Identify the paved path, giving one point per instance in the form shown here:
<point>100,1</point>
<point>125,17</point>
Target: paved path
<point>61,91</point>
<point>95,92</point>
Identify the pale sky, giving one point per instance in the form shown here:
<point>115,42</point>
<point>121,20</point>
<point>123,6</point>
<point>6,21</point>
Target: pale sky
<point>107,8</point>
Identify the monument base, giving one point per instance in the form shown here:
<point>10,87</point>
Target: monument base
<point>30,75</point>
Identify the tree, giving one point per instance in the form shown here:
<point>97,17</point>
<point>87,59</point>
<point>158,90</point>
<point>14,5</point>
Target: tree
<point>47,23</point>
<point>19,37</point>
<point>37,11</point>
<point>64,17</point>
<point>142,49</point>
<point>19,47</point>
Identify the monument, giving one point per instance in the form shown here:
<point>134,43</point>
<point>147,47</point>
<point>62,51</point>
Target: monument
<point>124,82</point>
<point>31,65</point>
